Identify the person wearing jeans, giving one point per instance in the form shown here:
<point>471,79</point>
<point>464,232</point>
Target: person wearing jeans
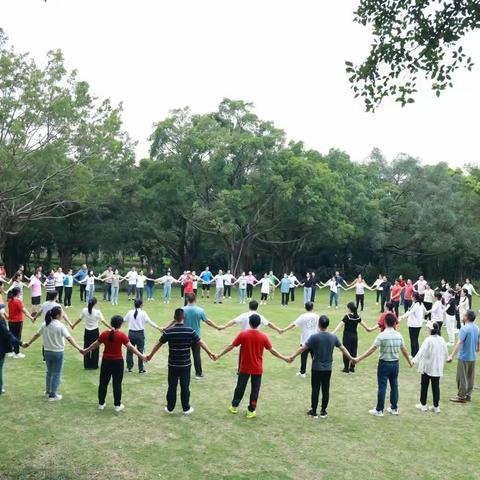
<point>389,343</point>
<point>79,277</point>
<point>54,334</point>
<point>321,344</point>
<point>7,340</point>
<point>180,339</point>
<point>307,288</point>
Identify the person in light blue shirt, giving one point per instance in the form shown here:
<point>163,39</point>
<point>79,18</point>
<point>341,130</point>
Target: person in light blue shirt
<point>467,346</point>
<point>206,277</point>
<point>194,315</point>
<point>68,287</point>
<point>79,277</point>
<point>285,289</point>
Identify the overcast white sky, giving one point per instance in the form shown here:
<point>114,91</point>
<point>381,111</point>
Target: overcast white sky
<point>285,56</point>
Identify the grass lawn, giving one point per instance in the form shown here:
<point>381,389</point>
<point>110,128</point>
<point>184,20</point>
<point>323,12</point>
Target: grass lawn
<point>73,440</point>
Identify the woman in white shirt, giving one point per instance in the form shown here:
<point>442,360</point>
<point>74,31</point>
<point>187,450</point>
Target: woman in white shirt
<point>376,286</point>
<point>430,360</point>
<point>242,287</point>
<point>140,285</point>
<point>168,280</point>
<point>59,277</point>
<point>89,281</point>
<point>415,317</point>
<point>265,283</point>
<point>464,303</point>
<point>54,334</point>
<point>137,318</point>
<point>359,284</point>
<point>437,312</point>
<point>92,317</point>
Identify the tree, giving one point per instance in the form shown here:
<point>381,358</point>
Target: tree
<point>412,39</point>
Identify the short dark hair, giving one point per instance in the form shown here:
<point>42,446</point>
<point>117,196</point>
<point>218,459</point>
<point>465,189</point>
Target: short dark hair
<point>390,320</point>
<point>470,315</point>
<point>390,305</point>
<point>438,295</point>
<point>116,322</point>
<point>417,297</point>
<point>323,321</point>
<point>309,306</point>
<point>51,296</point>
<point>190,297</point>
<point>179,314</point>
<point>14,292</point>
<point>254,320</point>
<point>253,305</point>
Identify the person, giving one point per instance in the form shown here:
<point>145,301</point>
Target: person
<point>408,296</point>
<point>59,278</point>
<point>16,311</point>
<point>381,321</point>
<point>168,280</point>
<point>266,284</point>
<point>112,366</point>
<point>228,280</point>
<point>181,339</point>
<point>307,288</point>
<point>470,289</point>
<point>466,348</point>
<point>35,286</point>
<point>136,319</point>
<point>54,334</point>
<point>389,343</point>
<point>428,299</point>
<point>242,287</point>
<point>131,278</point>
<point>377,286</point>
<point>430,360</point>
<point>437,312</point>
<point>321,344</point>
<point>463,303</point>
<point>206,277</point>
<point>308,324</point>
<point>68,288</point>
<point>450,321</point>
<point>395,296</point>
<point>251,280</point>
<point>415,318</point>
<point>359,284</point>
<point>349,323</point>
<point>187,285</point>
<point>402,284</point>
<point>219,286</point>
<point>150,284</point>
<point>49,283</point>
<point>195,282</point>
<point>8,341</point>
<point>293,283</point>
<point>420,285</point>
<point>243,320</point>
<point>386,288</point>
<point>78,278</point>
<point>3,271</point>
<point>252,343</point>
<point>140,285</point>
<point>180,280</point>
<point>90,285</point>
<point>285,289</point>
<point>333,287</point>
<point>92,317</point>
<point>116,279</point>
<point>107,277</point>
<point>340,282</point>
<point>193,316</point>
<point>314,287</point>
<point>16,282</point>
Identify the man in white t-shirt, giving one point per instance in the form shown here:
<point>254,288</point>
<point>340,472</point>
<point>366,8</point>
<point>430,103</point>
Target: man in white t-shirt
<point>131,278</point>
<point>219,286</point>
<point>228,280</point>
<point>243,320</point>
<point>308,323</point>
<point>293,283</point>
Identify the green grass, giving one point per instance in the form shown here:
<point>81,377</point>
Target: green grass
<point>73,440</point>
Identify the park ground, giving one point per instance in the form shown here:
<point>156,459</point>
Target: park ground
<point>73,440</point>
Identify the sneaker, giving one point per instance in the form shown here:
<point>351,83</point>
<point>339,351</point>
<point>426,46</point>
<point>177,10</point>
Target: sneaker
<point>311,414</point>
<point>142,371</point>
<point>10,355</point>
<point>434,409</point>
<point>251,414</point>
<point>301,375</point>
<point>323,415</point>
<point>57,397</point>
<point>168,411</point>
<point>129,370</point>
<point>19,355</point>
<point>102,407</point>
<point>3,391</point>
<point>375,412</point>
<point>119,408</point>
<point>458,400</point>
<point>392,411</point>
<point>189,411</point>
<point>421,407</point>
<point>468,398</point>
<point>233,409</point>
<point>198,377</point>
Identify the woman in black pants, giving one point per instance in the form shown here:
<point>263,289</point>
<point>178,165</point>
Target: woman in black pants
<point>350,336</point>
<point>112,362</point>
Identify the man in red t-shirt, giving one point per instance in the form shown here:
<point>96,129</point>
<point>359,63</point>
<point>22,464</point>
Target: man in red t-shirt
<point>253,342</point>
<point>16,310</point>
<point>187,285</point>
<point>395,293</point>
<point>381,321</point>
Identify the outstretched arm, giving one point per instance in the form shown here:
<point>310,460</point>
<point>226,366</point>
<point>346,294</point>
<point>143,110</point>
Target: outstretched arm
<point>156,348</point>
<point>274,327</point>
<point>298,352</point>
<point>347,353</point>
<point>204,346</point>
<point>406,355</point>
<point>93,346</point>
<point>279,355</point>
<point>212,324</point>
<point>74,344</point>
<point>286,329</point>
<point>135,351</point>
<point>338,327</point>
<point>224,352</point>
<point>372,349</point>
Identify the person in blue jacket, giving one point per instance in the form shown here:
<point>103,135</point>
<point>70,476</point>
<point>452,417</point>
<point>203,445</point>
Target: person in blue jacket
<point>7,341</point>
<point>206,277</point>
<point>78,277</point>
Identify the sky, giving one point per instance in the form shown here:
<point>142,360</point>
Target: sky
<point>285,56</point>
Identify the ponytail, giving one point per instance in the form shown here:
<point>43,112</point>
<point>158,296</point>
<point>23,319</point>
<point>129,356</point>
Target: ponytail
<point>92,302</point>
<point>116,323</point>
<point>52,314</point>
<point>435,329</point>
<point>138,304</point>
<point>353,308</point>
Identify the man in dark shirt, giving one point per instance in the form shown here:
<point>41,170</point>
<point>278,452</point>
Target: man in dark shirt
<point>387,286</point>
<point>180,340</point>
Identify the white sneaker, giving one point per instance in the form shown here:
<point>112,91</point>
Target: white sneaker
<point>375,412</point>
<point>421,407</point>
<point>102,407</point>
<point>56,398</point>
<point>19,355</point>
<point>10,355</point>
<point>301,375</point>
<point>392,411</point>
<point>119,408</point>
<point>189,411</point>
<point>434,409</point>
<point>168,411</point>
<point>3,391</point>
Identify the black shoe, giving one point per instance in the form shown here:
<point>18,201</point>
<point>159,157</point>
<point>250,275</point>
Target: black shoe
<point>129,370</point>
<point>345,370</point>
<point>323,415</point>
<point>312,414</point>
<point>352,370</point>
<point>142,371</point>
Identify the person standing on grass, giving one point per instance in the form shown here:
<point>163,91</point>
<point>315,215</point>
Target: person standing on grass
<point>54,334</point>
<point>266,285</point>
<point>7,342</point>
<point>35,285</point>
<point>194,315</point>
<point>242,287</point>
<point>467,347</point>
<point>116,279</point>
<point>386,287</point>
<point>307,288</point>
<point>321,344</point>
<point>416,316</point>
<point>285,289</point>
<point>112,366</point>
<point>68,288</point>
<point>470,289</point>
<point>274,282</point>
<point>180,339</point>
<point>59,278</point>
<point>450,320</point>
<point>49,283</point>
<point>437,312</point>
<point>389,343</point>
<point>408,295</point>
<point>252,343</point>
<point>463,303</point>
<point>378,288</point>
<point>251,280</point>
<point>333,288</point>
<point>131,278</point>
<point>395,296</point>
<point>150,284</point>
<point>243,320</point>
<point>293,284</point>
<point>429,298</point>
<point>107,277</point>
<point>359,284</point>
<point>137,318</point>
<point>349,324</point>
<point>420,285</point>
<point>228,280</point>
<point>206,277</point>
<point>16,311</point>
<point>308,324</point>
<point>219,287</point>
<point>79,277</point>
<point>187,286</point>
<point>92,317</point>
<point>140,286</point>
<point>168,280</point>
<point>430,360</point>
<point>16,282</point>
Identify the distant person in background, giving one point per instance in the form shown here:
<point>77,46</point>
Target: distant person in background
<point>420,285</point>
<point>471,291</point>
<point>8,342</point>
<point>251,280</point>
<point>386,287</point>
<point>378,288</point>
<point>408,295</point>
<point>333,289</point>
<point>187,285</point>
<point>242,287</point>
<point>428,298</point>
<point>140,286</point>
<point>168,280</point>
<point>59,277</point>
<point>206,277</point>
<point>395,296</point>
<point>274,280</point>
<point>49,283</point>
<point>219,287</point>
<point>293,284</point>
<point>68,288</point>
<point>107,277</point>
<point>16,311</point>
<point>415,321</point>
<point>307,288</point>
<point>228,280</point>
<point>79,277</point>
<point>116,279</point>
<point>359,284</point>
<point>131,278</point>
<point>35,286</point>
<point>285,289</point>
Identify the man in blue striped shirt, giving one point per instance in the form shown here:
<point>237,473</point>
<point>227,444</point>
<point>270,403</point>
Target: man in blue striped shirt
<point>180,339</point>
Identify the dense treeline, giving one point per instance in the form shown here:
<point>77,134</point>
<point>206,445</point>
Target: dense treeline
<point>224,188</point>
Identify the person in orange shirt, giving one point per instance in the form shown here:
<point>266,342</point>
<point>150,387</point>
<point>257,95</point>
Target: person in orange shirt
<point>16,311</point>
<point>395,295</point>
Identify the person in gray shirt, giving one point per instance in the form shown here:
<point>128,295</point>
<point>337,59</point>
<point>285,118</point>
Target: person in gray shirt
<point>321,345</point>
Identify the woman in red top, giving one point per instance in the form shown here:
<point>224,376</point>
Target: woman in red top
<point>16,310</point>
<point>112,362</point>
<point>395,294</point>
<point>408,299</point>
